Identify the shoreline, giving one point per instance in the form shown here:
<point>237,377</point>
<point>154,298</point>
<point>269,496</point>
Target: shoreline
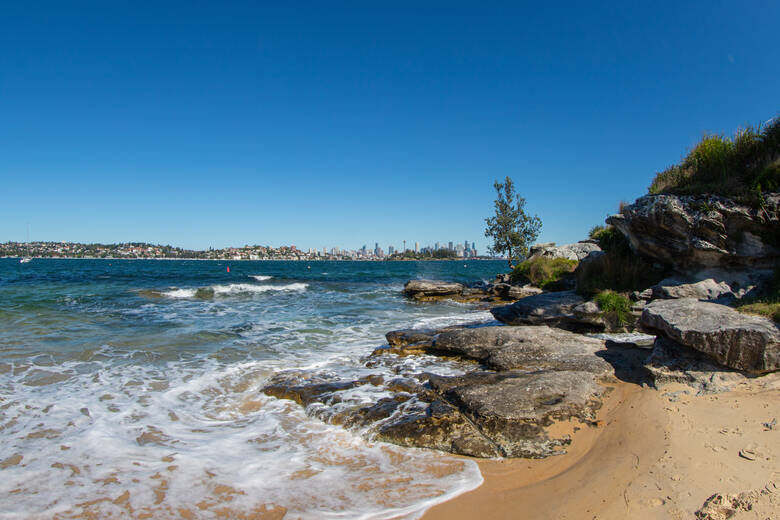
<point>656,454</point>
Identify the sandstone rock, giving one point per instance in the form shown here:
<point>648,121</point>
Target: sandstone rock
<point>431,288</point>
<point>513,409</point>
<point>712,285</point>
<point>671,362</point>
<point>690,232</point>
<point>517,292</point>
<point>526,347</point>
<point>576,251</point>
<point>733,339</point>
<point>554,309</point>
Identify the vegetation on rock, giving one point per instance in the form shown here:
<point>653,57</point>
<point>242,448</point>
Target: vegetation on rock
<point>742,166</point>
<point>543,272</point>
<point>767,305</point>
<point>511,228</point>
<point>614,305</point>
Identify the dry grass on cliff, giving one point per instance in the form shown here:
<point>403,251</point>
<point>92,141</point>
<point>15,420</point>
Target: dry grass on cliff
<point>743,166</point>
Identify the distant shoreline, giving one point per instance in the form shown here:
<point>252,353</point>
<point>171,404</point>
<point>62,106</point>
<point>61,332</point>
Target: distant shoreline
<point>259,259</point>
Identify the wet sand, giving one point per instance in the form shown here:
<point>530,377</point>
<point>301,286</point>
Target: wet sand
<point>654,455</point>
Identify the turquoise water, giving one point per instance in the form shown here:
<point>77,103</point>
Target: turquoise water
<point>138,383</point>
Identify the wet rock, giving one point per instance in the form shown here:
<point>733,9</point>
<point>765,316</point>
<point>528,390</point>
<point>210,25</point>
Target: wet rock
<point>691,232</point>
<point>439,426</point>
<point>526,347</point>
<point>420,289</point>
<point>733,339</point>
<point>514,409</point>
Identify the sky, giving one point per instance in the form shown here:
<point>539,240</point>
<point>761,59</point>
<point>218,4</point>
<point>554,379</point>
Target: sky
<point>316,124</point>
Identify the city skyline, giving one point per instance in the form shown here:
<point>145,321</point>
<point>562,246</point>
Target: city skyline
<point>200,126</point>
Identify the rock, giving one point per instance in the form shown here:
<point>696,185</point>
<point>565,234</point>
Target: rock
<point>527,348</point>
<point>407,337</point>
<point>439,426</point>
<point>517,292</point>
<point>691,232</point>
<point>671,362</point>
<point>733,339</point>
<point>712,285</point>
<point>556,309</point>
<point>514,292</point>
<point>576,251</point>
<point>420,289</point>
<point>514,409</point>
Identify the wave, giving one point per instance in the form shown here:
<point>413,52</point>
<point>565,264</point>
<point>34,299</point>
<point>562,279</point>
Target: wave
<point>230,290</point>
<point>260,277</point>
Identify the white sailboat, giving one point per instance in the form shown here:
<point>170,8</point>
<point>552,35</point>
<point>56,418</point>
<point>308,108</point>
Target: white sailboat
<point>27,258</point>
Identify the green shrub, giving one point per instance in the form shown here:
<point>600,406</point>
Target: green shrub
<point>608,237</point>
<point>615,305</point>
<point>741,166</point>
<point>543,272</point>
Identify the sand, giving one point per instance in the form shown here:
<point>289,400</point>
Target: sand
<point>656,454</point>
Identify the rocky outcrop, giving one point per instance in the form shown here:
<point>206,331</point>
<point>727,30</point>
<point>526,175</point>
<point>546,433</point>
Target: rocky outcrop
<point>421,289</point>
<point>563,309</point>
<point>510,410</point>
<point>525,347</point>
<point>692,232</point>
<point>671,362</point>
<point>576,251</point>
<point>530,378</point>
<point>712,285</point>
<point>733,339</point>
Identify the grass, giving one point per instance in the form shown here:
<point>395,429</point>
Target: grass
<point>619,268</point>
<point>615,305</point>
<point>767,305</point>
<point>543,272</point>
<point>742,166</point>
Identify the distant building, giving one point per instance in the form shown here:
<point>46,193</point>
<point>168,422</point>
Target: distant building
<point>436,246</point>
<point>450,246</point>
<point>416,247</point>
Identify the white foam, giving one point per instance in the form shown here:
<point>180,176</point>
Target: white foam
<point>260,277</point>
<point>238,288</point>
<point>233,289</point>
<point>180,293</point>
<point>183,429</point>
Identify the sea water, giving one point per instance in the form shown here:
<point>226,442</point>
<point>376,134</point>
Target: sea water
<point>132,388</point>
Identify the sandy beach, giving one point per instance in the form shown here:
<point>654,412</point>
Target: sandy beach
<point>653,454</point>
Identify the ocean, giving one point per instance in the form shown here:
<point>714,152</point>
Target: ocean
<point>132,388</point>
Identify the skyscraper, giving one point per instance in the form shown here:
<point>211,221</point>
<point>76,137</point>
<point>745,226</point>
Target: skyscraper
<point>416,247</point>
<point>450,246</point>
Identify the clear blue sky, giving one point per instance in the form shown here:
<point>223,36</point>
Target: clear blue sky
<point>327,123</point>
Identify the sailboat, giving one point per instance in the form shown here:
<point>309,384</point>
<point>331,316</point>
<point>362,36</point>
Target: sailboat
<point>27,258</point>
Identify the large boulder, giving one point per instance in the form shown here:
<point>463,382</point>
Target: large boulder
<point>525,347</point>
<point>576,251</point>
<point>733,339</point>
<point>712,285</point>
<point>562,309</point>
<point>421,289</point>
<point>691,232</point>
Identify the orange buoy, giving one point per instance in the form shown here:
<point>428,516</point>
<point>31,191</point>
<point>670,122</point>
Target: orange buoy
<point>228,269</point>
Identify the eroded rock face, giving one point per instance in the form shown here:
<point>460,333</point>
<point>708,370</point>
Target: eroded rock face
<point>712,285</point>
<point>576,251</point>
<point>733,339</point>
<point>691,232</point>
<point>671,362</point>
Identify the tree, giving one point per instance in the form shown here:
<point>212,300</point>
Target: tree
<point>511,229</point>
